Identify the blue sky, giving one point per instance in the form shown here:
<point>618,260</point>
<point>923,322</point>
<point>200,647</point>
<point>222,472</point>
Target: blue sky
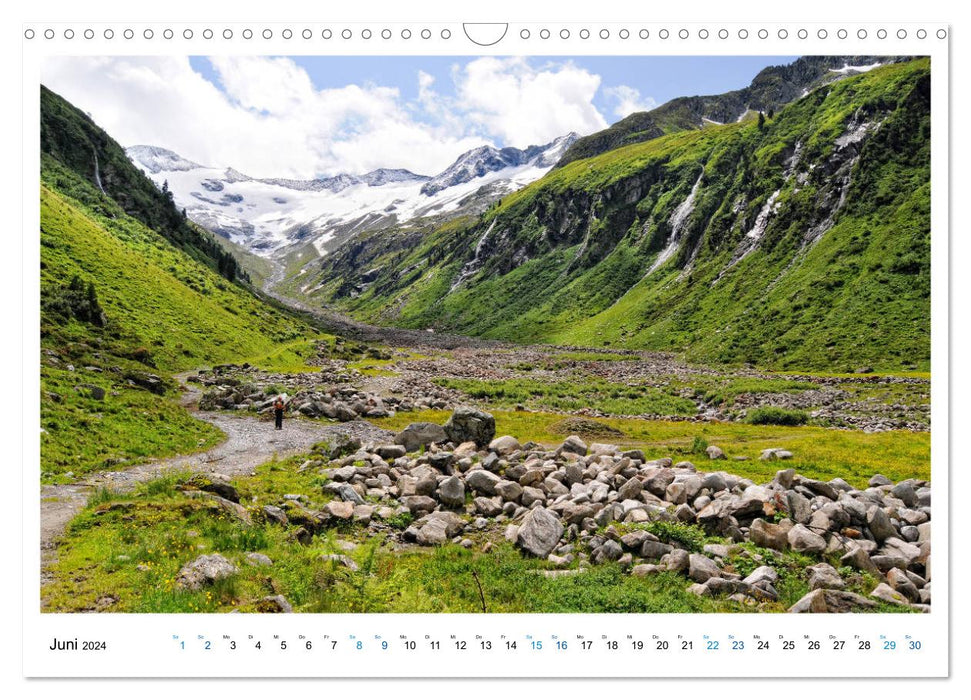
<point>656,78</point>
<point>280,116</point>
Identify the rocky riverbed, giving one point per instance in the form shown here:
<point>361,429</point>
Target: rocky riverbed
<point>579,505</point>
<point>429,377</point>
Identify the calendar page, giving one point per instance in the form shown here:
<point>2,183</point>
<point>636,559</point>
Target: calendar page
<point>587,348</point>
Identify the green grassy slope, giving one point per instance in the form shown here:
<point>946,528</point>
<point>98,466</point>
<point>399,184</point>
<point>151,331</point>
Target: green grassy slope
<point>839,277</point>
<point>71,137</point>
<point>161,311</point>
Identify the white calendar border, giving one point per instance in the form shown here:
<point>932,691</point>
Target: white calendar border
<point>39,628</point>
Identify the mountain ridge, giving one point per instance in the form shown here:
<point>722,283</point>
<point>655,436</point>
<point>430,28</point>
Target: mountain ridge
<point>772,88</point>
<point>700,241</point>
<point>266,215</point>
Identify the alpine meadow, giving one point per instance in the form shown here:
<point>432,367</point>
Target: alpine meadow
<point>677,364</point>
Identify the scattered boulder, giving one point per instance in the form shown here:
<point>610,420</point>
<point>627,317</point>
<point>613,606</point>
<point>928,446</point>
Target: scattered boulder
<point>451,492</point>
<point>771,535</point>
<point>574,445</point>
<point>701,568</point>
<point>204,571</point>
<point>257,559</point>
<point>342,510</point>
<point>468,424</point>
<point>539,533</point>
<point>802,539</point>
<point>418,435</point>
<point>274,604</point>
<point>482,481</point>
<point>823,600</point>
<point>504,445</point>
<point>823,575</point>
<point>887,594</point>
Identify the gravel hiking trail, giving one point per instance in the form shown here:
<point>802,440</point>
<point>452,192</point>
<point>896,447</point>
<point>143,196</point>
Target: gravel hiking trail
<point>249,442</point>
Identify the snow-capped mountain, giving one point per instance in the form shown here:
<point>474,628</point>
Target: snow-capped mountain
<point>486,159</point>
<point>268,214</point>
<point>153,159</point>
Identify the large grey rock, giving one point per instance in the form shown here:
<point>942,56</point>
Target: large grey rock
<point>800,508</point>
<point>539,533</point>
<point>391,452</point>
<point>504,445</point>
<point>635,538</point>
<point>826,601</point>
<point>342,510</point>
<point>532,495</point>
<point>441,461</point>
<point>574,445</point>
<point>482,481</point>
<point>654,550</point>
<point>631,489</point>
<point>762,573</point>
<point>609,551</point>
<point>823,488</point>
<point>658,482</point>
<point>900,582</point>
<point>701,568</point>
<point>453,523</point>
<point>887,594</point>
<point>714,452</point>
<point>785,478</point>
<point>771,535</point>
<point>715,482</point>
<point>905,492</point>
<point>346,492</point>
<point>676,493</point>
<point>823,575</point>
<point>468,424</point>
<point>204,571</point>
<point>509,490</point>
<point>879,523</point>
<point>451,492</point>
<point>275,515</point>
<point>426,485</point>
<point>419,504</point>
<point>802,539</point>
<point>859,559</point>
<point>218,484</point>
<point>489,507</point>
<point>418,435</point>
<point>677,560</point>
<point>433,532</point>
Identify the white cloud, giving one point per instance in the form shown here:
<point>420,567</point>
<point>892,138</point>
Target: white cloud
<point>628,100</point>
<point>523,105</point>
<point>269,120</point>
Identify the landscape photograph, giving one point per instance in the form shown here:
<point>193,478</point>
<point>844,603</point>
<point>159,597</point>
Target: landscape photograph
<point>498,334</point>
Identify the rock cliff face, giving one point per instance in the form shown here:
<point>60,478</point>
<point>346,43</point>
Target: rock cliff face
<point>802,241</point>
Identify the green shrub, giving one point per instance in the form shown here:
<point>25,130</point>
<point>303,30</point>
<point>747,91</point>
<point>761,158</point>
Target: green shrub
<point>773,415</point>
<point>699,445</point>
<point>689,537</point>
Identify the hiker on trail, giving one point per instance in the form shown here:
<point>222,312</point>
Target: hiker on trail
<point>278,412</point>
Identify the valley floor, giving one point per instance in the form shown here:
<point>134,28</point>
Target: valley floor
<point>121,541</point>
